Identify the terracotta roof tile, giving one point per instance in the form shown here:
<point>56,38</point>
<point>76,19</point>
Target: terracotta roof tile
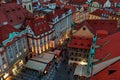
<point>94,25</point>
<point>109,45</point>
<point>80,42</point>
<point>104,75</point>
<point>12,13</point>
<point>78,2</point>
<point>5,31</point>
<point>39,26</point>
<point>100,13</point>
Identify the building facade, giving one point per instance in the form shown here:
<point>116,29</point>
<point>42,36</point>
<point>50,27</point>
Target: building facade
<point>13,50</point>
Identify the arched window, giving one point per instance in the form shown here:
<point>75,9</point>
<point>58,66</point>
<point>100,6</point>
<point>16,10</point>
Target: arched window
<point>29,7</point>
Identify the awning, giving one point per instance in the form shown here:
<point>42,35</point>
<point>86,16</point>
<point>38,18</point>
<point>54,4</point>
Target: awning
<point>46,57</point>
<point>80,70</point>
<point>36,65</point>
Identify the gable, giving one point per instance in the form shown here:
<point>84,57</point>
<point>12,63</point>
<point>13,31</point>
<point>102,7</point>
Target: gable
<point>84,31</point>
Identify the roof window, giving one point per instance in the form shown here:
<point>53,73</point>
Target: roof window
<point>111,72</point>
<point>7,11</point>
<point>11,20</point>
<point>20,18</point>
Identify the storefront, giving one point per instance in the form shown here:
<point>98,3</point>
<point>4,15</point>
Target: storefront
<point>18,65</point>
<point>12,71</point>
<point>64,35</point>
<point>4,76</point>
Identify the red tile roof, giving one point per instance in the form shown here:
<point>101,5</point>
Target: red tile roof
<point>5,31</point>
<point>104,75</point>
<point>55,13</point>
<point>100,1</point>
<point>39,25</point>
<point>94,25</point>
<point>78,2</point>
<point>100,12</point>
<point>115,1</point>
<point>103,1</point>
<point>12,13</point>
<point>80,42</point>
<point>110,46</point>
<point>70,7</point>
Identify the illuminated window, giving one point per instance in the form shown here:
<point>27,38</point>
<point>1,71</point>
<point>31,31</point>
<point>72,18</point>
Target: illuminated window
<point>6,75</point>
<point>0,70</point>
<point>5,66</point>
<point>17,56</point>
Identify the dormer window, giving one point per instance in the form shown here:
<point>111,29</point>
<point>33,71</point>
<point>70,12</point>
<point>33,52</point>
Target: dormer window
<point>111,72</point>
<point>75,43</point>
<point>20,18</point>
<point>13,9</point>
<point>81,44</point>
<point>19,8</point>
<point>7,11</point>
<point>11,20</point>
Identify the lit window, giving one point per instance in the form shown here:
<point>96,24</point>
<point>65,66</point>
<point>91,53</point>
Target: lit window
<point>0,70</point>
<point>5,66</point>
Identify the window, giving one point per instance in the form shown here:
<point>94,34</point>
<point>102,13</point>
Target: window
<point>81,44</point>
<point>20,18</point>
<point>11,20</point>
<point>25,6</point>
<point>9,52</point>
<point>84,28</point>
<point>13,9</point>
<point>75,43</point>
<point>3,59</point>
<point>30,7</point>
<point>7,11</point>
<point>20,8</point>
<point>111,71</point>
<point>5,66</point>
<point>88,45</point>
<point>0,69</point>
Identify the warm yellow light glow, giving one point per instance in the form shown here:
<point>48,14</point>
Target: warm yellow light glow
<point>43,48</point>
<point>20,53</point>
<point>14,70</point>
<point>21,63</point>
<point>0,70</point>
<point>36,50</point>
<point>17,55</point>
<point>6,75</point>
<point>46,45</point>
<point>32,49</point>
<point>45,72</point>
<point>25,50</point>
<point>52,44</point>
<point>83,62</point>
<point>40,50</point>
<point>42,16</point>
<point>5,66</point>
